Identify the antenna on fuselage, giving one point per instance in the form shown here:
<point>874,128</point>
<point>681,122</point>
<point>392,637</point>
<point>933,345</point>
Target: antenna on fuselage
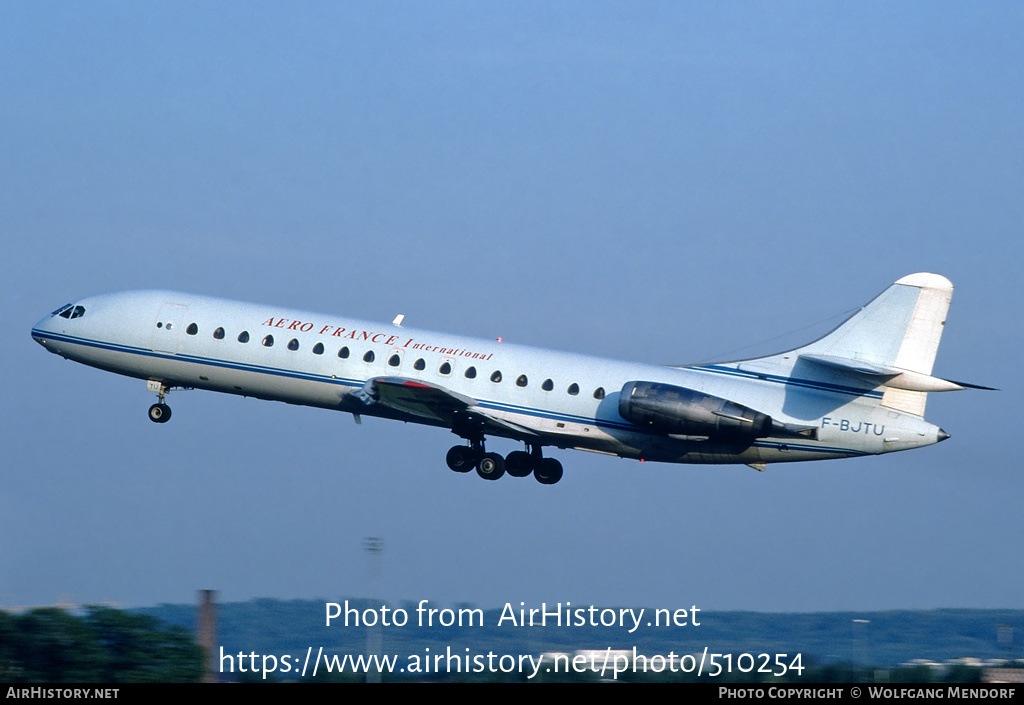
<point>398,320</point>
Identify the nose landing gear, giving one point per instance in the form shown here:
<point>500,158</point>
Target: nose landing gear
<point>159,412</point>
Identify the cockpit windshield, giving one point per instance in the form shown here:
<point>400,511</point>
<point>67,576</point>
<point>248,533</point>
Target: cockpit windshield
<point>69,311</point>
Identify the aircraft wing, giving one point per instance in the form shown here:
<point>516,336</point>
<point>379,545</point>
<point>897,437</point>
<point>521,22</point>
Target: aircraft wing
<point>429,401</point>
<point>435,403</point>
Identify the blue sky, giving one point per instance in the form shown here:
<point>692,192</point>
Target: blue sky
<point>666,182</point>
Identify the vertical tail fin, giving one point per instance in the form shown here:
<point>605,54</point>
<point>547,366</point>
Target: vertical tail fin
<point>921,340</point>
<point>899,331</point>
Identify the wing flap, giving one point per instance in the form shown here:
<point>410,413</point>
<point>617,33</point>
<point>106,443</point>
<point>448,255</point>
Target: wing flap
<point>435,403</point>
<point>428,401</point>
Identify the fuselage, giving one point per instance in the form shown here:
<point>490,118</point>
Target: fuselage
<point>544,397</point>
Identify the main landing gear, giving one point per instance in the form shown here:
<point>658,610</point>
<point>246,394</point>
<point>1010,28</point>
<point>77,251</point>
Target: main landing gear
<point>159,412</point>
<point>491,466</point>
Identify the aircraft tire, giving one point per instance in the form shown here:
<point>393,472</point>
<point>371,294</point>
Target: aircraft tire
<point>159,413</point>
<point>548,471</point>
<point>491,466</point>
<point>461,458</point>
<point>518,463</point>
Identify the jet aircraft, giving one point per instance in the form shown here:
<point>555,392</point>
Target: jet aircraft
<point>859,390</point>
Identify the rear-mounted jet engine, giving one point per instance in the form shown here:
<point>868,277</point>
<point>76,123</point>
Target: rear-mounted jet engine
<point>673,410</point>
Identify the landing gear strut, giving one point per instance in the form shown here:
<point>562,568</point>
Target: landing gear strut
<point>159,412</point>
<point>492,466</point>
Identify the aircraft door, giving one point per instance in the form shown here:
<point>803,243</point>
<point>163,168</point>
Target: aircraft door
<point>168,326</point>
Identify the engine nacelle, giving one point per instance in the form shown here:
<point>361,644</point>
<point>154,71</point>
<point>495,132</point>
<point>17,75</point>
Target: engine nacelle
<point>668,409</point>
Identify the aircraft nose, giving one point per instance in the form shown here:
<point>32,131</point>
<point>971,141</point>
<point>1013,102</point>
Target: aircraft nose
<point>43,332</point>
<point>941,435</point>
<point>40,331</point>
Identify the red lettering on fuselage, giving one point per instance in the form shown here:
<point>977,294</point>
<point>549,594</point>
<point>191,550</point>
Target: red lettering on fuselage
<point>372,337</point>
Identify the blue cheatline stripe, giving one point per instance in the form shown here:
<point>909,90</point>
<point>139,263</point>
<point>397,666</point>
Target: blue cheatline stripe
<point>357,383</point>
<point>306,376</point>
<point>807,448</point>
<point>792,381</point>
<point>212,362</point>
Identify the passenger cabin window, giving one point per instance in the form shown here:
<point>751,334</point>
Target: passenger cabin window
<point>318,349</point>
<point>343,353</point>
<point>446,368</point>
<point>521,381</point>
<point>599,393</point>
<point>574,389</point>
<point>420,364</point>
<point>268,342</point>
<point>293,344</point>
<point>547,385</point>
<point>368,357</point>
<point>243,337</point>
<point>219,334</point>
<point>470,372</point>
<point>394,360</point>
<point>496,376</point>
<point>192,329</point>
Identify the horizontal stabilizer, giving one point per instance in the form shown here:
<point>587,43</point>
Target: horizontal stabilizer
<point>855,366</point>
<point>965,385</point>
<point>888,376</point>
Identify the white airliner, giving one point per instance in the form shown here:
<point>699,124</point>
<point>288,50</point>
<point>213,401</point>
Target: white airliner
<point>860,390</point>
